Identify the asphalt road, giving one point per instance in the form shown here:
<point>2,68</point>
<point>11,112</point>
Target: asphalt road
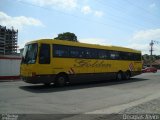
<point>126,96</point>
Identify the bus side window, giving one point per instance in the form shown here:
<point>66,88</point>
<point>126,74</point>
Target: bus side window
<point>114,55</point>
<point>60,51</point>
<point>73,52</point>
<point>102,54</point>
<point>137,57</point>
<point>44,56</point>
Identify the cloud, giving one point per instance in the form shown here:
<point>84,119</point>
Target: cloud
<point>99,41</point>
<point>141,40</point>
<point>144,35</point>
<point>86,10</point>
<point>142,47</point>
<point>153,5</point>
<point>42,36</point>
<point>145,48</point>
<point>18,22</point>
<point>64,4</point>
<point>98,13</point>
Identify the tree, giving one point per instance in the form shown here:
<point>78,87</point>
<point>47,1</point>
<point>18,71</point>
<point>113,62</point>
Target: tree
<point>67,36</point>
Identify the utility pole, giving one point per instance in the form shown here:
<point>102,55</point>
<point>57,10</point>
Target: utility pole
<point>151,52</point>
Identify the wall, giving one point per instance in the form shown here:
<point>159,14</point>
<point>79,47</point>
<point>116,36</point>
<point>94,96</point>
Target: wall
<point>9,67</point>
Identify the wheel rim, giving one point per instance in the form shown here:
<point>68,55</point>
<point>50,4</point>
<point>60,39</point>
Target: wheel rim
<point>119,76</point>
<point>127,76</point>
<point>61,81</point>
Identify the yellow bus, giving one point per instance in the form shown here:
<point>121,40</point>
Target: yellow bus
<point>57,61</point>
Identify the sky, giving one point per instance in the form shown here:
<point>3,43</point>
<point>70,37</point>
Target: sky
<point>127,23</point>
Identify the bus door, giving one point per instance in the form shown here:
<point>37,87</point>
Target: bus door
<point>44,67</point>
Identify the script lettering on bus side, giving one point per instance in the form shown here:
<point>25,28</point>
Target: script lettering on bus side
<point>90,63</point>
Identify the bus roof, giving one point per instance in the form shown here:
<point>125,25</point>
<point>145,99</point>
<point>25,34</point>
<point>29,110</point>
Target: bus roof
<point>64,42</point>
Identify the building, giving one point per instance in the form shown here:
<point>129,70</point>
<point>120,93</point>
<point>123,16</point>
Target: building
<point>156,64</point>
<point>8,41</point>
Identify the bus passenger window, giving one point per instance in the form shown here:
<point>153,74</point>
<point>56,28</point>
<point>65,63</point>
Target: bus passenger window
<point>60,51</point>
<point>73,52</point>
<point>113,56</point>
<point>44,56</point>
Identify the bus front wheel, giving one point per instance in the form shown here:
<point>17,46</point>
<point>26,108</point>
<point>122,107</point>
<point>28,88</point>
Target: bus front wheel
<point>60,81</point>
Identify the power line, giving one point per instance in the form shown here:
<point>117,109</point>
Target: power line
<point>75,16</point>
<point>143,9</point>
<point>138,6</point>
<point>120,9</point>
<point>118,16</point>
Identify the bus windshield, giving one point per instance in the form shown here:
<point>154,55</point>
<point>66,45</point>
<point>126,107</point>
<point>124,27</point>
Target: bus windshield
<point>30,53</point>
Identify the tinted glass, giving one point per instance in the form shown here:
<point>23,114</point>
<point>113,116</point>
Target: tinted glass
<point>30,54</point>
<point>44,56</point>
<point>92,53</point>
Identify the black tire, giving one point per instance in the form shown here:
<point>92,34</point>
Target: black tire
<point>47,84</point>
<point>60,81</point>
<point>119,76</point>
<point>127,76</point>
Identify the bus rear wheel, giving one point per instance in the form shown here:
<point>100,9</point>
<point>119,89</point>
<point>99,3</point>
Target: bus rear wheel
<point>126,75</point>
<point>47,84</point>
<point>60,81</point>
<point>119,76</point>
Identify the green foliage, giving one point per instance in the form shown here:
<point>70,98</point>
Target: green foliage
<point>147,59</point>
<point>67,36</point>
